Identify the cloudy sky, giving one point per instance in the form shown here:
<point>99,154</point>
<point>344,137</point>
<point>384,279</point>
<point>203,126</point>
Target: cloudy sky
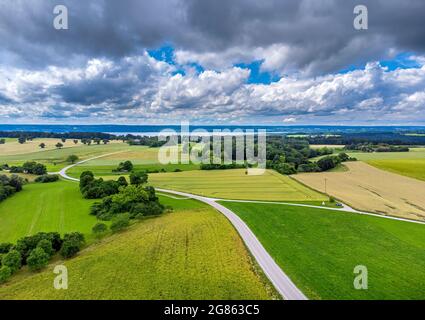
<point>212,62</point>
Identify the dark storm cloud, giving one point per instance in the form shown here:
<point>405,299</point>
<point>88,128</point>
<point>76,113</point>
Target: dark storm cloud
<point>319,33</point>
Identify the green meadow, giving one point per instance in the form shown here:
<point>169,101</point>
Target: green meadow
<point>319,249</point>
<point>191,253</point>
<point>414,168</point>
<point>55,159</point>
<point>56,206</point>
<point>235,184</point>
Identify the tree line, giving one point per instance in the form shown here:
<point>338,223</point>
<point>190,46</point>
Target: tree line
<point>36,251</point>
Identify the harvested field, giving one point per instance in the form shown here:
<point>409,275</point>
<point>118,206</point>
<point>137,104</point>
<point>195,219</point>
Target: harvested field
<point>370,189</point>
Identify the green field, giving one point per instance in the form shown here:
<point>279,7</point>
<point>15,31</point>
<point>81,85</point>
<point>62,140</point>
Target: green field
<point>414,153</point>
<point>55,159</point>
<point>38,207</point>
<point>414,168</point>
<point>235,184</point>
<point>319,249</point>
<point>192,253</point>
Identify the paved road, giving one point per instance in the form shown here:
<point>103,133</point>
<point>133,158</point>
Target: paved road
<point>280,280</point>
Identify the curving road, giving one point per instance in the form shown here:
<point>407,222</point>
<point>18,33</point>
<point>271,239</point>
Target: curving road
<point>280,280</point>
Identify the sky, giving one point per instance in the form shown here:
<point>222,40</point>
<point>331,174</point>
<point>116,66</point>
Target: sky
<point>271,62</point>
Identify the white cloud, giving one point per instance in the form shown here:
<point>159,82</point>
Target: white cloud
<point>140,87</point>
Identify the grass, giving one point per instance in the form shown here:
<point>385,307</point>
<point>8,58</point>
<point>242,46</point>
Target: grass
<point>235,184</point>
<point>13,147</point>
<point>55,159</point>
<point>414,153</point>
<point>106,170</point>
<point>56,206</point>
<point>319,249</point>
<point>192,253</point>
<point>414,168</point>
<point>367,188</point>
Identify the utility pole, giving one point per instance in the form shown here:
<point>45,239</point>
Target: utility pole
<point>326,192</point>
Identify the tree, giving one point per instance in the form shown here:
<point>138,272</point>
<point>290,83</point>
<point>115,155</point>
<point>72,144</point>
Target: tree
<point>59,145</point>
<point>72,158</point>
<point>47,246</point>
<point>63,140</point>
<point>71,245</point>
<point>326,163</point>
<point>37,259</point>
<point>121,222</point>
<point>2,141</point>
<point>137,178</point>
<point>125,166</point>
<point>33,167</point>
<point>105,141</point>
<point>42,145</point>
<point>5,248</point>
<point>122,181</point>
<point>75,141</point>
<point>99,229</point>
<point>22,140</point>
<point>13,260</point>
<point>5,273</point>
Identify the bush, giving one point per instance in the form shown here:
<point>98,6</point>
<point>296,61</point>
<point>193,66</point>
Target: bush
<point>69,249</point>
<point>121,222</point>
<point>12,259</point>
<point>47,247</point>
<point>38,259</point>
<point>137,178</point>
<point>99,228</point>
<point>33,167</point>
<point>122,181</point>
<point>308,167</point>
<point>72,158</point>
<point>125,166</point>
<point>26,244</point>
<point>140,210</point>
<point>327,163</point>
<point>5,273</point>
<point>5,247</point>
<point>47,178</point>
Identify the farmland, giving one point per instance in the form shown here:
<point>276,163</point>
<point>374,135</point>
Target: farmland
<point>192,253</point>
<point>367,188</point>
<point>319,249</point>
<point>235,184</point>
<point>414,168</point>
<point>143,158</point>
<point>55,159</point>
<point>55,206</point>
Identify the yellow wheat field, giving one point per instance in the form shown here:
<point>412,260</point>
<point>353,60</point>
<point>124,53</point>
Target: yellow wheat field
<point>370,189</point>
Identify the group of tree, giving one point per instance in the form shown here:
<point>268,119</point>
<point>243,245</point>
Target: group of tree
<point>36,251</point>
<point>92,188</point>
<point>135,200</point>
<point>10,185</point>
<point>125,166</point>
<point>370,147</point>
<point>214,166</point>
<point>30,167</point>
<point>29,135</point>
<point>47,178</point>
<point>325,163</point>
